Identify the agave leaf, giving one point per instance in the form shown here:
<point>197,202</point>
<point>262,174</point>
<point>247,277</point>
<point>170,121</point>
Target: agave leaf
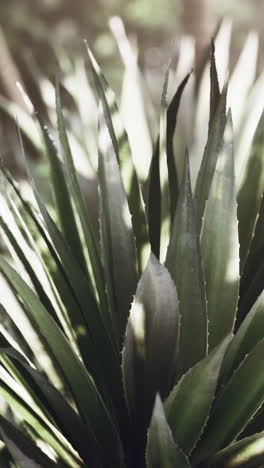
<point>123,153</point>
<point>62,197</point>
<point>250,332</point>
<point>118,246</point>
<point>212,150</point>
<point>83,389</point>
<point>215,94</point>
<point>189,403</point>
<point>48,400</point>
<point>19,253</point>
<point>154,202</point>
<point>172,113</point>
<point>18,401</point>
<point>150,343</point>
<point>162,451</point>
<point>246,453</point>
<point>184,264</point>
<point>230,413</point>
<point>154,184</point>
<point>23,450</point>
<point>91,245</point>
<point>250,194</point>
<point>220,246</point>
<point>164,174</point>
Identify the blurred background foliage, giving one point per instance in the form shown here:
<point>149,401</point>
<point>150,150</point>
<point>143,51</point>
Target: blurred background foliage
<point>32,33</point>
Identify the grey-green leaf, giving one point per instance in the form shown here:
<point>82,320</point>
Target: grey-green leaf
<point>220,245</point>
<point>246,453</point>
<point>249,333</point>
<point>251,192</point>
<point>23,450</point>
<point>235,405</point>
<point>189,403</point>
<point>117,241</point>
<point>162,451</point>
<point>150,342</point>
<point>185,266</point>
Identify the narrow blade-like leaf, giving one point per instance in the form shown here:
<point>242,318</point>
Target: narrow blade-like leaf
<point>246,453</point>
<point>162,451</point>
<point>220,246</point>
<point>188,405</point>
<point>185,266</point>
<point>234,407</point>
<point>23,450</point>
<point>118,246</point>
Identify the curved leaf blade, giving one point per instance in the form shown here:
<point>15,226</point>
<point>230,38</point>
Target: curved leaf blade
<point>246,453</point>
<point>118,246</point>
<point>162,451</point>
<point>249,333</point>
<point>185,266</point>
<point>23,450</point>
<point>189,403</point>
<point>150,344</point>
<point>220,245</point>
<point>231,414</point>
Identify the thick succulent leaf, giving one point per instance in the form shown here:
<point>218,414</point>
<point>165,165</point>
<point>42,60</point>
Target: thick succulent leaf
<point>118,246</point>
<point>235,405</point>
<point>172,113</point>
<point>48,400</point>
<point>75,191</point>
<point>189,403</point>
<point>150,342</point>
<point>212,150</point>
<point>246,453</point>
<point>185,266</point>
<point>62,197</point>
<point>83,389</point>
<point>215,94</point>
<point>220,246</point>
<point>250,332</point>
<point>154,202</point>
<point>123,153</point>
<point>164,174</point>
<point>251,192</point>
<point>23,450</point>
<point>162,451</point>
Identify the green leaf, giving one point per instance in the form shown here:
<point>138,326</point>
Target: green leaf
<point>189,403</point>
<point>215,94</point>
<point>123,153</point>
<point>184,264</point>
<point>150,343</point>
<point>162,451</point>
<point>249,333</point>
<point>251,192</point>
<point>154,202</point>
<point>62,197</point>
<point>19,402</point>
<point>172,113</point>
<point>212,150</point>
<point>23,450</point>
<point>75,191</point>
<point>220,246</point>
<point>48,400</point>
<point>246,453</point>
<point>235,405</point>
<point>84,391</point>
<point>118,246</point>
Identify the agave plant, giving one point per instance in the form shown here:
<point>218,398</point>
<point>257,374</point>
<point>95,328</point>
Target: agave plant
<point>140,345</point>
